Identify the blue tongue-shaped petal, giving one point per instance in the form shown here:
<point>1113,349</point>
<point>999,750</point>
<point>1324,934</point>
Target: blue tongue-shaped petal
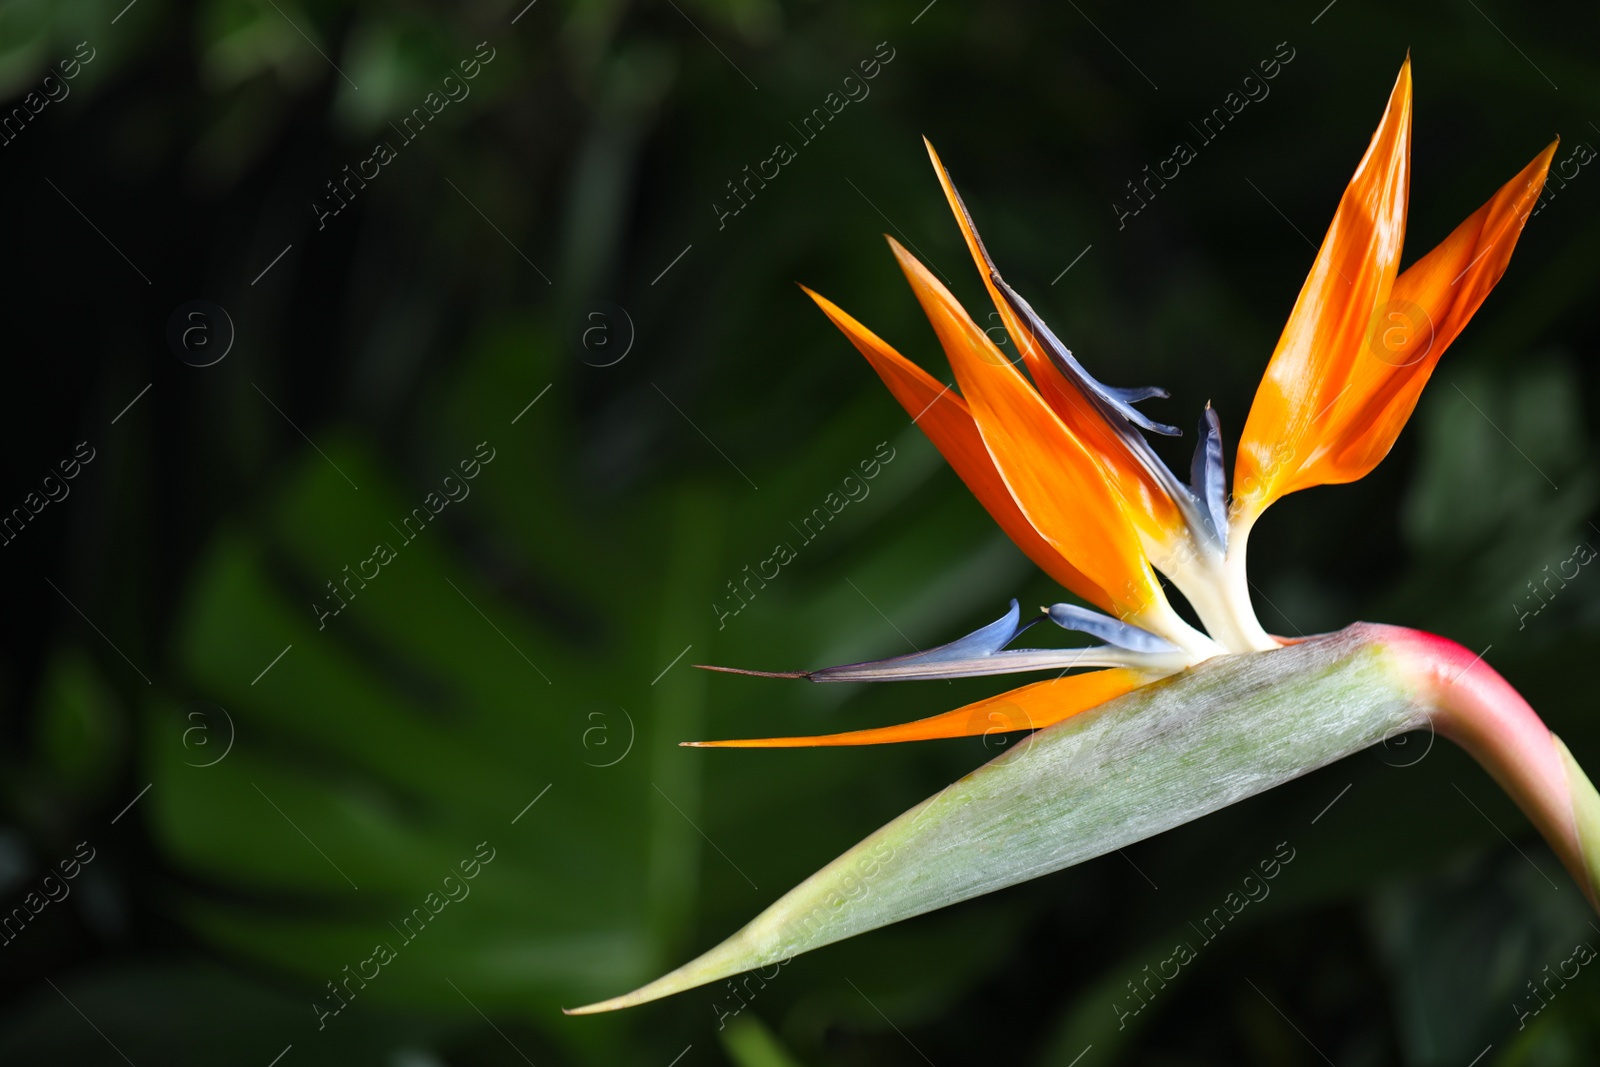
<point>943,661</point>
<point>983,652</point>
<point>1111,631</point>
<point>984,641</point>
<point>1118,400</point>
<point>1132,394</point>
<point>1206,477</point>
<point>965,656</point>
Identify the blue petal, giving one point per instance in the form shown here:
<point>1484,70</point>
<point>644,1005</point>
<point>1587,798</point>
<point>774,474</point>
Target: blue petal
<point>1114,404</point>
<point>936,662</point>
<point>1135,393</point>
<point>979,653</point>
<point>1111,631</point>
<point>915,668</point>
<point>984,641</point>
<point>1115,399</point>
<point>1206,477</point>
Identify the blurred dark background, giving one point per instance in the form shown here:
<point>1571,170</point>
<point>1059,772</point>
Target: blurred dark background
<point>265,788</point>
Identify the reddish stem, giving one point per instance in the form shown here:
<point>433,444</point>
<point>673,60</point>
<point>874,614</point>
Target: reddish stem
<point>1479,710</point>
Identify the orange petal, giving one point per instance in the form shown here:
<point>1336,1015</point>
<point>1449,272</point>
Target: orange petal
<point>1054,479</point>
<point>943,416</point>
<point>1427,308</point>
<point>1028,708</point>
<point>1286,439</point>
<point>1148,504</point>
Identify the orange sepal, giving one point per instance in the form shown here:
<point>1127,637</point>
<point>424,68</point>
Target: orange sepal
<point>1427,308</point>
<point>1148,504</point>
<point>943,416</point>
<point>1286,439</point>
<point>1053,478</point>
<point>1028,708</point>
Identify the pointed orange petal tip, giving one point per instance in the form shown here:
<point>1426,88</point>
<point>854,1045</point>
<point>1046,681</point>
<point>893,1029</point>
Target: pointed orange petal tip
<point>1150,506</point>
<point>1031,707</point>
<point>1428,307</point>
<point>943,416</point>
<point>1304,402</point>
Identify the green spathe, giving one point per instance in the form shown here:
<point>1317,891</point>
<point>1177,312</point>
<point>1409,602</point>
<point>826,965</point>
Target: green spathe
<point>1148,761</point>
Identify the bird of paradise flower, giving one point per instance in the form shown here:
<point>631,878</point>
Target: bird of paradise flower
<point>1177,721</point>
